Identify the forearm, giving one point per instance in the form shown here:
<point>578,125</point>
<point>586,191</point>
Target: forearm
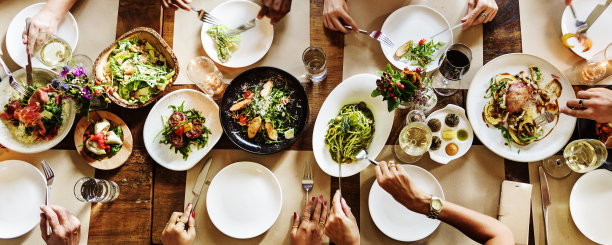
<point>479,227</point>
<point>58,7</point>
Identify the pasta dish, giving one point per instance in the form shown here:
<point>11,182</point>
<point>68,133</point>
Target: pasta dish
<point>350,132</point>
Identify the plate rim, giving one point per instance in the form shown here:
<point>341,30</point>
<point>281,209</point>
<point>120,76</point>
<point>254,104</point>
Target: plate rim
<point>572,199</point>
<point>439,158</point>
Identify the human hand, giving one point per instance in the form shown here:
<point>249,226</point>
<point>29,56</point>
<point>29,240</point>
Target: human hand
<point>596,105</point>
<point>274,9</point>
<point>45,21</point>
<point>397,182</point>
<point>176,4</point>
<point>335,15</point>
<point>479,11</point>
<point>310,229</point>
<point>174,233</point>
<point>66,228</point>
<point>341,226</point>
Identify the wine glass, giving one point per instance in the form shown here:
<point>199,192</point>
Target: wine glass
<point>591,71</point>
<point>51,50</point>
<point>414,139</point>
<point>203,73</point>
<point>580,156</point>
<point>453,65</point>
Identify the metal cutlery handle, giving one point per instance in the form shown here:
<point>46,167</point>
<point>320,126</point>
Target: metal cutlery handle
<point>372,161</point>
<point>445,30</point>
<point>49,229</point>
<point>546,224</point>
<point>360,30</point>
<point>6,70</point>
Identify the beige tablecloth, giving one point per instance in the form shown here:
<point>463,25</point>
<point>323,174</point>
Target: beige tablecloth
<point>362,54</point>
<point>287,166</point>
<point>473,181</point>
<point>68,167</point>
<point>561,227</point>
<point>291,37</point>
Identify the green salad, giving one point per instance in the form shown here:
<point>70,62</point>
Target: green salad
<point>420,53</point>
<point>182,129</point>
<point>137,70</point>
<point>225,44</point>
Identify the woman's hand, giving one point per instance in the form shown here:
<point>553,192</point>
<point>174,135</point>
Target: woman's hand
<point>596,105</point>
<point>176,4</point>
<point>175,233</point>
<point>335,16</point>
<point>341,226</point>
<point>274,9</point>
<point>310,229</point>
<point>45,21</point>
<point>396,181</point>
<point>479,11</point>
<point>66,228</point>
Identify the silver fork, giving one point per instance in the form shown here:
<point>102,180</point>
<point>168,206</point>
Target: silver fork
<point>14,84</point>
<point>307,179</point>
<point>205,16</point>
<point>581,26</point>
<point>378,35</point>
<point>545,118</point>
<point>50,177</point>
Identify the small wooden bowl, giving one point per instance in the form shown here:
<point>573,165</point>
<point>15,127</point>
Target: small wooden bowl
<point>157,42</point>
<point>110,162</point>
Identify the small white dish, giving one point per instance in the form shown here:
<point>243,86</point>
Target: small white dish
<point>395,220</point>
<point>23,189</point>
<point>415,22</point>
<point>254,43</point>
<point>440,155</point>
<point>162,153</point>
<point>492,137</point>
<point>590,196</point>
<point>67,29</point>
<point>599,32</point>
<point>353,90</point>
<point>244,200</point>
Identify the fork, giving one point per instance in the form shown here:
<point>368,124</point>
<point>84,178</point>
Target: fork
<point>581,26</point>
<point>378,35</point>
<point>205,16</point>
<point>50,177</point>
<point>307,179</point>
<point>545,118</point>
<point>14,84</point>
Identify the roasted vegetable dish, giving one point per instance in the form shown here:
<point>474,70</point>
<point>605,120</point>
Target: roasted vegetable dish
<point>182,129</point>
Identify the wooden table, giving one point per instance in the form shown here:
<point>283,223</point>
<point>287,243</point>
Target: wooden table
<point>150,193</point>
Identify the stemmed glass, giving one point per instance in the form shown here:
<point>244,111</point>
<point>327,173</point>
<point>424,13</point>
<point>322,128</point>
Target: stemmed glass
<point>580,156</point>
<point>204,74</point>
<point>453,65</point>
<point>51,50</point>
<point>414,139</point>
<point>593,70</point>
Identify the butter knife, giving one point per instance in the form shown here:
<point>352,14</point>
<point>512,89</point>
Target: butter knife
<point>248,25</point>
<point>597,11</point>
<point>201,181</point>
<point>29,78</point>
<point>545,199</point>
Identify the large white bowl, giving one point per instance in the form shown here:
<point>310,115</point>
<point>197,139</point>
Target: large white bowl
<point>353,90</point>
<point>590,196</point>
<point>162,153</point>
<point>492,137</point>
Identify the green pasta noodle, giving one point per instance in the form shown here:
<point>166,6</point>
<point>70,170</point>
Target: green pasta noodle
<point>350,132</point>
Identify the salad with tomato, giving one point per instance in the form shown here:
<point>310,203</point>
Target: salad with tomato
<point>184,129</point>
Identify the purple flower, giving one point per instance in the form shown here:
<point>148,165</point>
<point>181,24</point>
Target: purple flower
<point>86,92</point>
<point>64,86</point>
<point>79,71</point>
<point>64,72</point>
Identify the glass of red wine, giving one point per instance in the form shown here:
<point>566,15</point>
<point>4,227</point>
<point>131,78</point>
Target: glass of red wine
<point>453,65</point>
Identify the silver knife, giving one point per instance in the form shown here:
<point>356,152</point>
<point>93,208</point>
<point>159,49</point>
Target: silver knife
<point>597,11</point>
<point>201,181</point>
<point>248,25</point>
<point>29,78</point>
<point>545,199</point>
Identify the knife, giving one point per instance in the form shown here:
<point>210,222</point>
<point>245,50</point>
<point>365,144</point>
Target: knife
<point>248,25</point>
<point>597,11</point>
<point>545,199</point>
<point>199,184</point>
<point>29,65</point>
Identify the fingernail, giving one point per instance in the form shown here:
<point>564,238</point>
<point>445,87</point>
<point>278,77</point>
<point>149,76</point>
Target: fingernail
<point>312,198</point>
<point>189,205</point>
<point>294,215</point>
<point>321,197</point>
<point>325,203</point>
<point>193,214</point>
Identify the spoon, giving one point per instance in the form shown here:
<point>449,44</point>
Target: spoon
<point>364,155</point>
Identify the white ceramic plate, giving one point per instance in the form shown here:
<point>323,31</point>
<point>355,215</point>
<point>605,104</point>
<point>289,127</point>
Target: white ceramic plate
<point>8,140</point>
<point>23,189</point>
<point>67,30</point>
<point>491,136</point>
<point>415,22</point>
<point>599,32</point>
<point>244,200</point>
<point>162,153</point>
<point>254,43</point>
<point>353,90</point>
<point>440,155</point>
<point>590,196</point>
<point>395,220</point>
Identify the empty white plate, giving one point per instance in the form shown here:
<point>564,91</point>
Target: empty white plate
<point>244,200</point>
<point>590,197</point>
<point>599,32</point>
<point>67,29</point>
<point>254,43</point>
<point>415,22</point>
<point>395,220</point>
<point>23,189</point>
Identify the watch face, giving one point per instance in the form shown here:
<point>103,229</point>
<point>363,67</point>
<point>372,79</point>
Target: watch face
<point>436,204</point>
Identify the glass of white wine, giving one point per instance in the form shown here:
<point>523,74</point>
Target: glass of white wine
<point>580,156</point>
<point>51,50</point>
<point>414,139</point>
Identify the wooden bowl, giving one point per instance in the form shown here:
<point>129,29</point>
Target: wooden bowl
<point>110,162</point>
<point>157,42</point>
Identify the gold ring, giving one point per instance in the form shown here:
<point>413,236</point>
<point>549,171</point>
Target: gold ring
<point>483,14</point>
<point>391,165</point>
<point>179,220</point>
<point>321,222</point>
<point>294,226</point>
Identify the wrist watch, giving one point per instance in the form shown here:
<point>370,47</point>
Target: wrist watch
<point>435,207</point>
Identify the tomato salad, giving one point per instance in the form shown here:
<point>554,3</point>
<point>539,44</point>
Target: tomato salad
<point>184,129</point>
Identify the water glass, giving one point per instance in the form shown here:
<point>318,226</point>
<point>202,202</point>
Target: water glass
<point>204,74</point>
<point>593,70</point>
<point>314,61</point>
<point>453,65</point>
<point>81,60</point>
<point>89,189</point>
<point>51,50</point>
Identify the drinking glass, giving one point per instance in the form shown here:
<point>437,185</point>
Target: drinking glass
<point>203,72</point>
<point>453,65</point>
<point>314,61</point>
<point>89,189</point>
<point>414,139</point>
<point>81,60</point>
<point>593,70</point>
<point>51,50</point>
<point>580,156</point>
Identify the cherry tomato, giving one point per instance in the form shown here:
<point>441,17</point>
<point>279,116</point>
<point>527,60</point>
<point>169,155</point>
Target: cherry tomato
<point>111,90</point>
<point>243,120</point>
<point>248,95</point>
<point>98,82</point>
<point>422,41</point>
<point>179,131</point>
